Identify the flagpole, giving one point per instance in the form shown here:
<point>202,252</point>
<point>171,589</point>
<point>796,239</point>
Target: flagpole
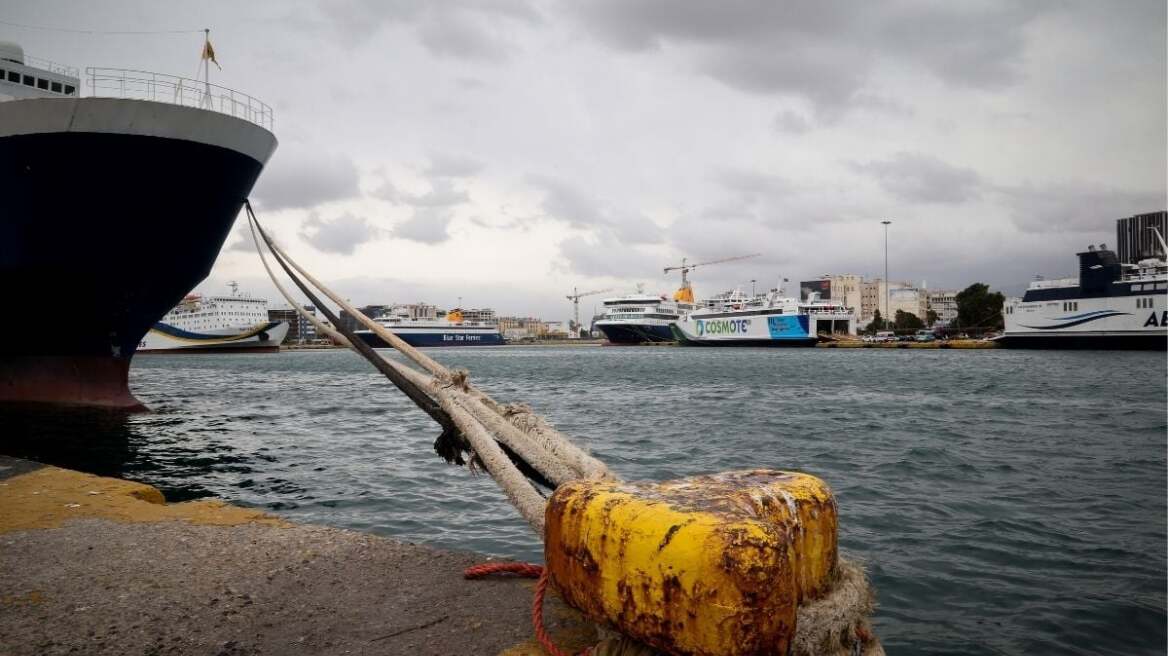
<point>206,67</point>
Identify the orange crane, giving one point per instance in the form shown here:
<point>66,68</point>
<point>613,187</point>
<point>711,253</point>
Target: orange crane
<point>684,294</point>
<point>575,297</point>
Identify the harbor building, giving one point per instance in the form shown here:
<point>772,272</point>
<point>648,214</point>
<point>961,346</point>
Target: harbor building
<point>1134,239</point>
<point>944,303</point>
<point>350,323</point>
<point>518,328</point>
<point>908,299</point>
<point>300,330</point>
<point>478,314</point>
<point>846,288</point>
<point>904,296</point>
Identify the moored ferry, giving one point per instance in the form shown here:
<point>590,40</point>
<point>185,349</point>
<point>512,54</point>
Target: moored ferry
<point>118,201</point>
<point>1110,305</point>
<point>639,318</point>
<point>771,319</point>
<point>451,329</point>
<point>216,324</point>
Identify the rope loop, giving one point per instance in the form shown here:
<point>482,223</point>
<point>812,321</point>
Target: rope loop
<point>531,571</point>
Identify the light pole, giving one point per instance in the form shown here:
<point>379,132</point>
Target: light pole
<point>752,281</point>
<point>887,286</point>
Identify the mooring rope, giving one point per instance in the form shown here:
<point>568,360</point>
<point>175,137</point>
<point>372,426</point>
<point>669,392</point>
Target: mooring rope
<point>543,435</point>
<point>455,410</point>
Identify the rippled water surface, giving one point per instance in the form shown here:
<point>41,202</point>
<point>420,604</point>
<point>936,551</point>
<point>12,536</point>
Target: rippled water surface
<point>1004,501</point>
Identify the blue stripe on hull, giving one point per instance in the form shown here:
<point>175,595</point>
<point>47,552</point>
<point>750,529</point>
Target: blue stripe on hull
<point>437,339</point>
<point>636,334</point>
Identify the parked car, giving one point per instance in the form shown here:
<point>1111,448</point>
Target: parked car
<point>925,336</point>
<point>884,336</point>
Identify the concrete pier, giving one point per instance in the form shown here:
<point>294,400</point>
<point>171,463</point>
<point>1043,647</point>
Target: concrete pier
<point>92,565</point>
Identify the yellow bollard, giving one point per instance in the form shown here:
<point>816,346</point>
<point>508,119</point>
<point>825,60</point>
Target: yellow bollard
<point>709,565</point>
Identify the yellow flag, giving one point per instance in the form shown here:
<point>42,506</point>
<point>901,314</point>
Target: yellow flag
<point>209,53</point>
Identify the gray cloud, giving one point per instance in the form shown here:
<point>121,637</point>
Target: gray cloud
<point>304,180</point>
<point>442,194</point>
<point>566,202</point>
<point>822,50</point>
<point>1075,207</point>
<point>794,122</point>
<point>921,178</point>
<point>341,235</point>
<point>429,225</point>
<point>603,256</point>
<point>452,166</point>
<point>477,30</point>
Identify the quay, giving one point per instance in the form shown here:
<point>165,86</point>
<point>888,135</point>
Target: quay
<point>98,565</point>
<point>951,344</point>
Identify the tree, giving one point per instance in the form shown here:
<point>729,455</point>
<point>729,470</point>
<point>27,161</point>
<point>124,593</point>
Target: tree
<point>979,308</point>
<point>931,316</point>
<point>877,323</point>
<point>908,321</point>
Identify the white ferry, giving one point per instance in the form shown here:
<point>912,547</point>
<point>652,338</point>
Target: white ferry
<point>202,324</point>
<point>452,329</point>
<point>1110,305</point>
<point>638,318</point>
<point>771,319</point>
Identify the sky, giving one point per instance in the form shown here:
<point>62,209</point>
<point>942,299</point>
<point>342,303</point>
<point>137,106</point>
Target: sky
<point>505,152</point>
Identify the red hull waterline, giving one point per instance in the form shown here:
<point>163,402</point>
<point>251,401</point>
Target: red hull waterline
<point>80,380</point>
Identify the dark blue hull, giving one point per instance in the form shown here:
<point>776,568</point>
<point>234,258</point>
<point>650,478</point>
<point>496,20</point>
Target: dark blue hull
<point>437,339</point>
<point>101,235</point>
<point>635,334</point>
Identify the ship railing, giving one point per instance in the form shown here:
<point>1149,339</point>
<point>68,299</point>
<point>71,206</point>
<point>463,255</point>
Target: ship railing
<point>52,67</point>
<point>159,87</point>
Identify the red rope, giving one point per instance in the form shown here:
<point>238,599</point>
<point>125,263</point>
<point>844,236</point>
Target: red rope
<point>531,571</point>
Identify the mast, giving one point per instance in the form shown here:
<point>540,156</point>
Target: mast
<point>207,66</point>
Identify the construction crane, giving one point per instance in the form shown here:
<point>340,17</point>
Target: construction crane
<point>575,297</point>
<point>684,294</point>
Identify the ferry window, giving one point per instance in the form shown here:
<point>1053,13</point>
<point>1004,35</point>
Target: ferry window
<point>56,87</point>
<point>28,80</point>
<point>42,84</point>
<point>69,89</point>
<point>1161,285</point>
<point>13,76</point>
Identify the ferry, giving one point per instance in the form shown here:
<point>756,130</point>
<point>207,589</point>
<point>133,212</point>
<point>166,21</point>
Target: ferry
<point>639,318</point>
<point>452,328</point>
<point>216,324</point>
<point>118,200</point>
<point>770,319</point>
<point>1110,305</point>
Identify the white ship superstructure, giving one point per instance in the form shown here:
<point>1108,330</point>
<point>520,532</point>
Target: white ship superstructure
<point>1109,305</point>
<point>638,318</point>
<point>216,323</point>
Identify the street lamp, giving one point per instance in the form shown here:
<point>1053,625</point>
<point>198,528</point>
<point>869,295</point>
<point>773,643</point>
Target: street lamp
<point>887,285</point>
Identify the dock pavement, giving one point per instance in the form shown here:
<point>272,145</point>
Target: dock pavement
<point>94,565</point>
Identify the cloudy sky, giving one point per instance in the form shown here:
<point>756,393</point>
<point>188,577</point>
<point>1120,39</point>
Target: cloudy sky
<point>506,151</point>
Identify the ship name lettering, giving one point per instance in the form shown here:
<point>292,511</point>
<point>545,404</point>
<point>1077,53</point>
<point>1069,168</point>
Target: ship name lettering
<point>1162,320</point>
<point>722,326</point>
